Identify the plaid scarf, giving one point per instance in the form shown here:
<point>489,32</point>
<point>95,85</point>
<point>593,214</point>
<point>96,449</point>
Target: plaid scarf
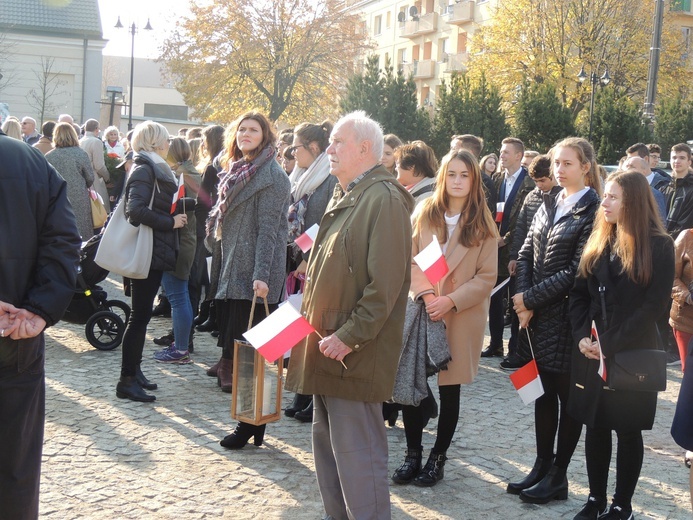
<point>231,183</point>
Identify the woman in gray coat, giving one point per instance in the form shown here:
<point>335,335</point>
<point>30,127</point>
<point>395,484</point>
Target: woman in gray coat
<point>247,230</point>
<point>74,166</point>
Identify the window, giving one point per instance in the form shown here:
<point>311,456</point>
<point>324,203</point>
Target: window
<point>443,50</point>
<point>378,25</point>
<point>388,20</point>
<point>402,56</point>
<point>166,111</point>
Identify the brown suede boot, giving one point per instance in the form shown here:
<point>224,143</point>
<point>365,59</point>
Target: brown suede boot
<point>225,375</point>
<point>213,370</point>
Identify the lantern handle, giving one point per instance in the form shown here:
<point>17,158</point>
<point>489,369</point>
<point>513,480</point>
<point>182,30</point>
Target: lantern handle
<point>252,310</point>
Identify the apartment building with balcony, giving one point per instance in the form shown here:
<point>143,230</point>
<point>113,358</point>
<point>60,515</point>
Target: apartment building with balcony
<point>428,39</point>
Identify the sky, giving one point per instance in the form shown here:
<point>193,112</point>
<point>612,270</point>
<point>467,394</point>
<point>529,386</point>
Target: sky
<point>162,15</point>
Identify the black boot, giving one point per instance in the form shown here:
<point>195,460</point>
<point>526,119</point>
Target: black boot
<point>143,381</point>
<point>211,323</point>
<point>299,403</point>
<point>129,388</point>
<point>433,471</point>
<point>241,435</point>
<point>410,468</point>
<point>539,471</point>
<point>203,314</point>
<point>554,486</point>
<point>163,308</point>
<point>305,415</point>
<point>165,340</point>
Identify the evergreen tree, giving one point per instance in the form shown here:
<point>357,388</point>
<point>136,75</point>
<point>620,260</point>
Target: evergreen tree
<point>617,124</point>
<point>540,118</point>
<point>674,124</point>
<point>388,98</point>
<point>466,108</point>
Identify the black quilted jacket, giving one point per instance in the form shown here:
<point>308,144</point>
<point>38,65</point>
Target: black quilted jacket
<point>138,193</point>
<point>546,267</point>
<point>679,199</point>
<point>530,206</point>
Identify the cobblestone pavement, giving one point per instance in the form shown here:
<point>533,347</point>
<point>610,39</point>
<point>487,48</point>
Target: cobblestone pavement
<point>110,458</point>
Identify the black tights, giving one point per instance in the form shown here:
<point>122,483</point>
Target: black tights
<point>548,421</point>
<point>629,455</point>
<point>414,420</point>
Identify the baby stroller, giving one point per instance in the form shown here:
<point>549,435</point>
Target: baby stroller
<point>105,320</point>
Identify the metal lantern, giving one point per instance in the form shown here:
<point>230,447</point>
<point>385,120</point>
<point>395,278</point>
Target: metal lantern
<point>257,386</point>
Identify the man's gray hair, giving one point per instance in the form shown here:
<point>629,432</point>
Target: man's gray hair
<point>366,129</point>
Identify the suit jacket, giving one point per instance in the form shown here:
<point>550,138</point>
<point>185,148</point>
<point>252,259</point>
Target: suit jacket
<point>512,212</point>
<point>468,283</point>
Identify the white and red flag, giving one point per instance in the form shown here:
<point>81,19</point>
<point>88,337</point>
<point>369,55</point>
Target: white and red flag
<point>179,194</point>
<point>527,382</point>
<point>278,332</point>
<point>432,261</point>
<point>602,366</point>
<point>307,239</point>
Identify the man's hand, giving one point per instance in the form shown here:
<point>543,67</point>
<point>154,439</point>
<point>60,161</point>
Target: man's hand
<point>28,325</point>
<point>8,319</point>
<point>333,347</point>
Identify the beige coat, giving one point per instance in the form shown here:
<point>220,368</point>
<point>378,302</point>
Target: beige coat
<point>468,283</point>
<point>681,315</point>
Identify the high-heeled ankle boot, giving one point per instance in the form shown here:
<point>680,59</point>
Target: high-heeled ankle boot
<point>554,486</point>
<point>433,471</point>
<point>129,388</point>
<point>213,371</point>
<point>225,375</point>
<point>203,314</point>
<point>211,323</point>
<point>410,468</point>
<point>143,381</point>
<point>539,471</point>
<point>306,415</point>
<point>242,434</point>
<point>299,403</point>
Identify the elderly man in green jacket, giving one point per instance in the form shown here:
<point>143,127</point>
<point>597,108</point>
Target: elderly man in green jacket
<point>355,296</point>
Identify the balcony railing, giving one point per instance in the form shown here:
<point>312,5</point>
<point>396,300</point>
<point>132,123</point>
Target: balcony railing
<point>421,69</point>
<point>425,24</point>
<point>456,62</point>
<point>463,12</point>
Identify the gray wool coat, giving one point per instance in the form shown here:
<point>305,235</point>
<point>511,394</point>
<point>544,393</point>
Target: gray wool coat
<point>253,237</point>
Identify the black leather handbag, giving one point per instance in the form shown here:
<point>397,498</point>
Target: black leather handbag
<point>641,370</point>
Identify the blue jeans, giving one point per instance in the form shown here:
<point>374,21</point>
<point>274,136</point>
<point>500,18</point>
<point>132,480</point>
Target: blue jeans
<point>181,309</point>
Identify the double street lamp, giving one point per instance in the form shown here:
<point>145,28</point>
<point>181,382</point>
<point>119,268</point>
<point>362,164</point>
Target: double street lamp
<point>594,79</point>
<point>132,30</point>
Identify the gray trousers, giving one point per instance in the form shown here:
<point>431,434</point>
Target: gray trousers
<point>350,450</point>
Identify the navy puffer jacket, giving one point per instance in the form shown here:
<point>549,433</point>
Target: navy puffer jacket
<point>546,268</point>
<point>138,194</point>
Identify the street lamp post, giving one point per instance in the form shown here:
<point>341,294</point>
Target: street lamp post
<point>132,29</point>
<point>594,79</point>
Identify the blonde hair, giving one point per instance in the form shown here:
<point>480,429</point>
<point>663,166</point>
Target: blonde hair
<point>149,136</point>
<point>12,128</point>
<point>65,136</point>
<point>586,155</point>
<point>476,222</point>
<point>630,237</point>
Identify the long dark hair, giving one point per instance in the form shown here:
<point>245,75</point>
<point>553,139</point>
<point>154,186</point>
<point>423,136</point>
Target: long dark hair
<point>630,237</point>
<point>233,153</point>
<point>476,222</point>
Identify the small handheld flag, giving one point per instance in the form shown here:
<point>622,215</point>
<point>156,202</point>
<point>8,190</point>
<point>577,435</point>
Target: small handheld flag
<point>306,240</point>
<point>179,194</point>
<point>602,366</point>
<point>432,262</point>
<point>526,379</point>
<point>279,332</point>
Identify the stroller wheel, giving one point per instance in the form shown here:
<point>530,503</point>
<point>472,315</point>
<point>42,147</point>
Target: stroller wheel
<point>105,330</point>
<point>122,309</point>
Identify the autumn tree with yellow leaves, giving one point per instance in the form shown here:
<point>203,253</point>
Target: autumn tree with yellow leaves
<point>550,40</point>
<point>287,58</point>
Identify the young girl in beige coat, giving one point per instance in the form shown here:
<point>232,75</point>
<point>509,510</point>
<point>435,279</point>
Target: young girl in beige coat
<point>458,216</point>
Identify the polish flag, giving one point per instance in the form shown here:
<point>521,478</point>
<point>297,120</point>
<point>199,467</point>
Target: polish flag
<point>279,332</point>
<point>500,206</point>
<point>602,365</point>
<point>179,194</point>
<point>527,382</point>
<point>432,262</point>
<point>307,239</point>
